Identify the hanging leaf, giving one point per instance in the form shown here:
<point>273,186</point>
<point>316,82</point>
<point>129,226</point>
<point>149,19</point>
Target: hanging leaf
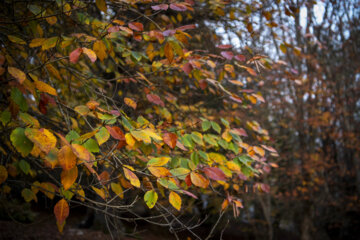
<point>159,171</point>
<point>49,43</point>
<point>61,210</point>
<point>42,138</point>
<point>68,177</point>
<point>17,40</point>
<point>28,195</point>
<point>175,200</point>
<point>66,157</point>
<point>157,162</point>
<point>117,189</point>
<point>227,54</point>
<point>81,152</point>
<point>150,198</point>
<point>3,174</point>
<point>100,50</point>
<point>116,132</point>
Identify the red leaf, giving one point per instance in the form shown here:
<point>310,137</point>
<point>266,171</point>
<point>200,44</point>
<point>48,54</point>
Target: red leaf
<point>227,54</point>
<point>187,68</point>
<point>155,99</point>
<point>74,55</point>
<point>189,194</point>
<point>178,7</point>
<point>113,29</point>
<point>170,139</point>
<point>160,7</point>
<point>186,27</point>
<point>116,132</point>
<point>136,26</point>
<point>188,180</point>
<point>214,173</point>
<point>240,58</point>
<point>61,210</point>
<point>227,46</point>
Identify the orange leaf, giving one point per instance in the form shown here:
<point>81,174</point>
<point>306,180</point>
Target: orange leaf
<point>61,211</point>
<point>42,138</point>
<point>136,26</point>
<point>159,171</point>
<point>170,139</point>
<point>116,133</point>
<point>66,157</point>
<point>169,53</point>
<point>68,177</point>
<point>81,152</point>
<point>199,180</point>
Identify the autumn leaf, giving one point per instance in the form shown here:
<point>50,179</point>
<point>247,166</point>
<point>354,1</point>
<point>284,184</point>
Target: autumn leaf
<point>116,132</point>
<point>227,54</point>
<point>81,152</point>
<point>17,74</point>
<point>19,140</point>
<point>214,173</point>
<point>68,177</point>
<point>136,26</point>
<point>101,5</point>
<point>42,138</point>
<point>153,98</point>
<point>61,210</point>
<point>170,139</point>
<point>131,103</point>
<point>28,195</point>
<point>102,136</point>
<point>117,189</point>
<point>49,43</point>
<point>199,180</point>
<point>150,198</point>
<point>100,50</point>
<point>3,174</point>
<point>159,171</point>
<point>157,162</point>
<point>66,157</point>
<point>129,175</point>
<point>44,87</point>
<point>178,7</point>
<point>175,200</point>
<point>90,53</point>
<point>169,53</point>
<point>74,55</point>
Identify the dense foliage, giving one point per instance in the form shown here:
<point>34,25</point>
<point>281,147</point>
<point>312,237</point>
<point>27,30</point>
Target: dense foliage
<point>106,103</point>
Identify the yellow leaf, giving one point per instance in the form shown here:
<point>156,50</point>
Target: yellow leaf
<point>169,54</point>
<point>102,136</point>
<point>175,200</point>
<point>199,180</point>
<point>15,39</point>
<point>226,136</point>
<point>130,102</point>
<point>259,151</point>
<point>61,211</point>
<point>44,87</point>
<point>159,171</point>
<point>117,189</point>
<point>233,166</point>
<point>140,135</point>
<point>100,49</point>
<point>49,43</point>
<point>100,192</point>
<point>101,5</point>
<point>36,42</point>
<point>150,198</point>
<point>66,157</point>
<point>129,139</point>
<point>90,53</point>
<point>129,175</point>
<point>157,162</point>
<point>48,189</point>
<point>17,73</point>
<point>42,138</point>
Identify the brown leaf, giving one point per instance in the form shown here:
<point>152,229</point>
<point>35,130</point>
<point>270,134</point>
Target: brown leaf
<point>155,99</point>
<point>116,132</point>
<point>169,53</point>
<point>136,26</point>
<point>170,139</point>
<point>215,173</point>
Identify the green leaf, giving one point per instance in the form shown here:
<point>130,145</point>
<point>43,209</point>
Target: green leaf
<point>150,198</point>
<point>22,144</point>
<point>223,143</point>
<point>24,166</point>
<point>225,122</point>
<point>28,195</point>
<point>204,155</point>
<point>205,125</point>
<point>180,173</point>
<point>194,158</point>
<point>168,184</point>
<point>197,138</point>
<point>216,127</point>
<point>102,136</point>
<point>19,99</point>
<point>5,117</point>
<point>210,139</point>
<point>71,136</point>
<point>91,145</point>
